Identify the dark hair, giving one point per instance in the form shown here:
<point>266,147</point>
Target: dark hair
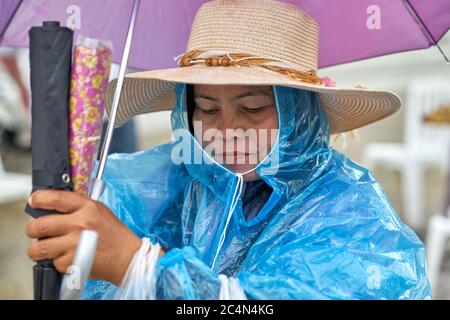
<point>190,105</point>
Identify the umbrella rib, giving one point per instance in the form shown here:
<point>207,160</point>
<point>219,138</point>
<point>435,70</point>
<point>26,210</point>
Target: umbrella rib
<point>2,34</point>
<point>424,27</point>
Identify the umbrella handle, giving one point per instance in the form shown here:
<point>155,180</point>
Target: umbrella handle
<point>74,281</point>
<point>96,189</point>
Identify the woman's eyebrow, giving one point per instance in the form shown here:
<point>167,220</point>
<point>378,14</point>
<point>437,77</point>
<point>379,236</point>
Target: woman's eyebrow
<point>203,96</point>
<point>250,94</point>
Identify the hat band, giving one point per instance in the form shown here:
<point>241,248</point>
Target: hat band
<point>221,58</point>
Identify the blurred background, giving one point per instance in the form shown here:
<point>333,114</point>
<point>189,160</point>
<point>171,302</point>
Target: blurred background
<point>407,152</point>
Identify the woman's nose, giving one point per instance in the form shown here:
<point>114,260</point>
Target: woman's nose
<point>229,120</point>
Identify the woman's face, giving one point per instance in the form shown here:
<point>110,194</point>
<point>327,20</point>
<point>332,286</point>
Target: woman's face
<point>237,125</point>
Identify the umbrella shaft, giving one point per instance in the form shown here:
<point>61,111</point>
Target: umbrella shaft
<point>117,93</point>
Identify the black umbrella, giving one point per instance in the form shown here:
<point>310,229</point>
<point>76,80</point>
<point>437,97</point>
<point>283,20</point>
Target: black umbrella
<point>50,62</point>
<point>50,59</point>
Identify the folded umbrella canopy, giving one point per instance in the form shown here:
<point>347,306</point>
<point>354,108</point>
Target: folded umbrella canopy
<point>50,59</point>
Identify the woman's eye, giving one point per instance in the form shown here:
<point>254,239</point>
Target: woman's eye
<point>209,111</point>
<point>254,110</point>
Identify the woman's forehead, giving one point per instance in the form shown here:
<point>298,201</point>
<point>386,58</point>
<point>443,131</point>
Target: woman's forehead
<point>231,90</point>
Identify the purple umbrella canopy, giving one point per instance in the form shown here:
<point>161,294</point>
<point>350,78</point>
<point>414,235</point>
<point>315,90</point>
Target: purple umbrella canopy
<point>350,30</point>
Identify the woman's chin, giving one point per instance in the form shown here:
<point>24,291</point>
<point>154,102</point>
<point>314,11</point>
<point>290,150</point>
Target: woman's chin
<point>243,168</point>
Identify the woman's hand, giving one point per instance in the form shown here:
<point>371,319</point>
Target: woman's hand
<point>58,234</point>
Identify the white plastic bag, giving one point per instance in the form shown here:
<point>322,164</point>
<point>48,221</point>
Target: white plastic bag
<point>230,289</point>
<point>139,282</point>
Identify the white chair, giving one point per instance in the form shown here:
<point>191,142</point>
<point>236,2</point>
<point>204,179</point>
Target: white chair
<point>437,235</point>
<point>425,145</point>
<point>13,186</point>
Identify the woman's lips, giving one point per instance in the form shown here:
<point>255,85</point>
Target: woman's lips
<point>234,157</point>
<point>235,154</point>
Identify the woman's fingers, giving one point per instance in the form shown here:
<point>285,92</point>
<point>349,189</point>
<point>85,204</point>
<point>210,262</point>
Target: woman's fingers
<point>63,262</point>
<point>61,201</point>
<point>49,226</point>
<point>51,248</point>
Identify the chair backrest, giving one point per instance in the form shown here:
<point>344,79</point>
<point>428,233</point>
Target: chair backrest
<point>447,193</point>
<point>2,168</point>
<point>423,97</point>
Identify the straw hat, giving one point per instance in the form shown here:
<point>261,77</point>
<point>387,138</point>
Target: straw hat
<point>252,42</point>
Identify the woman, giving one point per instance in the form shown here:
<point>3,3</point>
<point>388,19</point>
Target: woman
<point>220,212</point>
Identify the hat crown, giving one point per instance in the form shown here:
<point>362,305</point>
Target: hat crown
<point>264,28</point>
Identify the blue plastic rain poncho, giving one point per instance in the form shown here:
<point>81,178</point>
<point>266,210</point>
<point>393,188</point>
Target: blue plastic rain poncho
<point>327,230</point>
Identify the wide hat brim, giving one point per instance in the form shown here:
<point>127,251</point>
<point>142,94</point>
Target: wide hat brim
<point>151,91</point>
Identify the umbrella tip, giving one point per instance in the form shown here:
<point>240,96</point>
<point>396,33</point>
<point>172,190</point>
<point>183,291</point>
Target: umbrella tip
<point>51,24</point>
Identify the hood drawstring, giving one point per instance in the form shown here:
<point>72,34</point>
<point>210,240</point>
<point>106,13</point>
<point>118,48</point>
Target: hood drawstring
<point>234,201</point>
